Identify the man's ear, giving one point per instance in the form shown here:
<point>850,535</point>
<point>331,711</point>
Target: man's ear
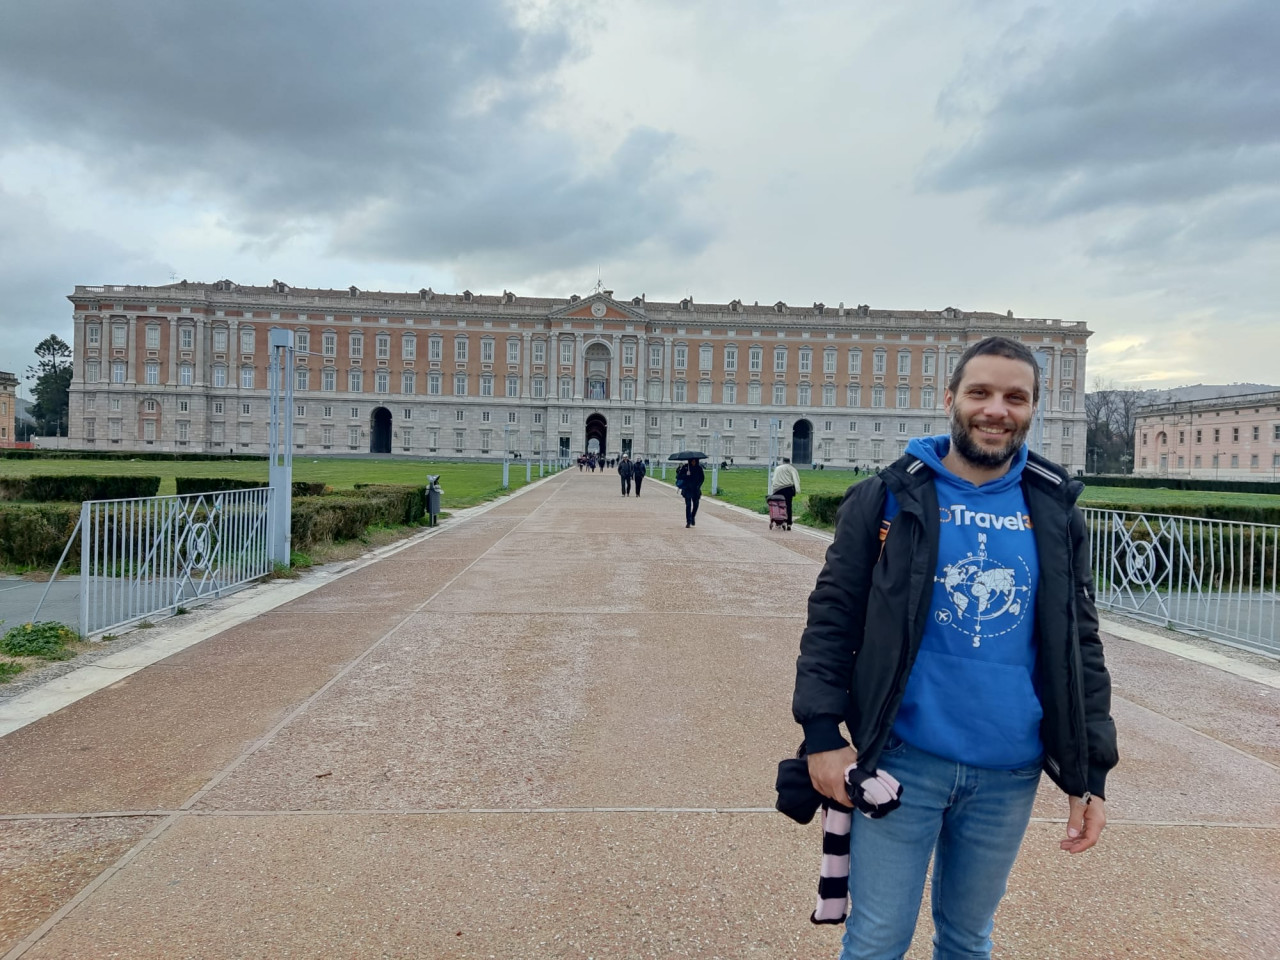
<point>948,398</point>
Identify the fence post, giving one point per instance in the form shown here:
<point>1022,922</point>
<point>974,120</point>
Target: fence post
<point>85,578</point>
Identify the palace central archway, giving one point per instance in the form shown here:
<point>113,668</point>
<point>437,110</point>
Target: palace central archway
<point>598,430</point>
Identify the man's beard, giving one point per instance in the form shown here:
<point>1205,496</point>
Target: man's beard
<point>963,444</point>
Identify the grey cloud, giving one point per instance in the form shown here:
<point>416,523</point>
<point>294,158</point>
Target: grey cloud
<point>401,119</point>
<point>40,262</point>
<point>1173,104</point>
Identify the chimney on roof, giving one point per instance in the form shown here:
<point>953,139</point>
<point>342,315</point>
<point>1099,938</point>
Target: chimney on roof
<point>426,293</point>
<point>1009,314</point>
<point>608,293</point>
<point>353,290</point>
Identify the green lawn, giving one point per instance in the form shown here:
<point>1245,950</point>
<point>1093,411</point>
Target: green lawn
<point>745,487</point>
<point>464,484</point>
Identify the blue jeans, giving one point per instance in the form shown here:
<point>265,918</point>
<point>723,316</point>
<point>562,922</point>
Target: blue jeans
<point>971,820</point>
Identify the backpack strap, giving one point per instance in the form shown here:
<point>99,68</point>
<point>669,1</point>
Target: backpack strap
<point>890,511</point>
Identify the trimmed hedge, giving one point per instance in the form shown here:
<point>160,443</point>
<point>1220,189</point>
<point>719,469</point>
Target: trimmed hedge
<point>1184,483</point>
<point>342,516</point>
<point>34,535</point>
<point>74,489</point>
<point>20,454</point>
<point>1243,513</point>
<point>823,506</point>
<point>192,485</point>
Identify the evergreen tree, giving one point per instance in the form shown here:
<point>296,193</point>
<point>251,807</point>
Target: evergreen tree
<point>52,375</point>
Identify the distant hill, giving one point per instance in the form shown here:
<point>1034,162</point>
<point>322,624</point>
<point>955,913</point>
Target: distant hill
<point>1202,391</point>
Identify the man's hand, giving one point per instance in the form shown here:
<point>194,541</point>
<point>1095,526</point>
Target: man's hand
<point>826,770</point>
<point>1084,824</point>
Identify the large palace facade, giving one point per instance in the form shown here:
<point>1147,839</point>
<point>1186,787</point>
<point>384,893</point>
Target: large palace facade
<point>184,367</point>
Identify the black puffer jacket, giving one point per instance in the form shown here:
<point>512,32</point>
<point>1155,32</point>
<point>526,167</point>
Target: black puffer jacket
<point>868,612</point>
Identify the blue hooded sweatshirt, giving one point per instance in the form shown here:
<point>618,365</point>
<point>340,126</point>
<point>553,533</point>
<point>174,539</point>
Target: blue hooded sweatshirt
<point>971,696</point>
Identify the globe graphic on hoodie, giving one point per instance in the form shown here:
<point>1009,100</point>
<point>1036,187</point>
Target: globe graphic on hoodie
<point>985,595</point>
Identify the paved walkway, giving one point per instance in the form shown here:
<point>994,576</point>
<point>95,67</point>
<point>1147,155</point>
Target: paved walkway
<point>550,731</point>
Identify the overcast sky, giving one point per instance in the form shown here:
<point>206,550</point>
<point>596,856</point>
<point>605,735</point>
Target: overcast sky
<point>1114,162</point>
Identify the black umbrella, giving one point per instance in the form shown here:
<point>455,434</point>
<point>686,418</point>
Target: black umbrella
<point>688,455</point>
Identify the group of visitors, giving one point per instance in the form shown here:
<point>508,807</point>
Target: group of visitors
<point>631,471</point>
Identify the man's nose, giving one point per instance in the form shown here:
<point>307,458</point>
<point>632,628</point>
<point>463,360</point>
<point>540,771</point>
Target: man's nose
<point>996,407</point>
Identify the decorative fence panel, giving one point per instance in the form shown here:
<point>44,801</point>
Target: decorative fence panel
<point>149,556</point>
<point>1214,577</point>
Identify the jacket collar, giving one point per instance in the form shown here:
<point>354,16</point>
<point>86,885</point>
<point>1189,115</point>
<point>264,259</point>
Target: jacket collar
<point>906,475</point>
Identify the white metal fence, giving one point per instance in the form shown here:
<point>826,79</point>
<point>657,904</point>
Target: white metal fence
<point>147,556</point>
<point>1215,577</point>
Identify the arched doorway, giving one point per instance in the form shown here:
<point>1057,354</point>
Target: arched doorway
<point>380,431</point>
<point>598,430</point>
<point>802,442</point>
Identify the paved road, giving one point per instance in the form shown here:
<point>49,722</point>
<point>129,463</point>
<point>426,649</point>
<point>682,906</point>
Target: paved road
<point>551,731</point>
<point>19,599</point>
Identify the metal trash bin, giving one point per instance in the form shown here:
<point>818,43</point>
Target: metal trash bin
<point>433,499</point>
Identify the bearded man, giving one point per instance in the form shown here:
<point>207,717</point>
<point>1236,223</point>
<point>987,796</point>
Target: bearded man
<point>953,631</point>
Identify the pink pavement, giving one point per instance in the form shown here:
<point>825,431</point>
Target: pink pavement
<point>551,731</point>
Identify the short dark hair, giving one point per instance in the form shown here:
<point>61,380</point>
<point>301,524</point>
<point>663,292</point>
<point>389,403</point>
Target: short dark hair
<point>997,347</point>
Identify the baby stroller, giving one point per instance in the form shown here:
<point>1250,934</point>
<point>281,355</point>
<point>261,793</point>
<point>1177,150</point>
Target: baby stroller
<point>777,511</point>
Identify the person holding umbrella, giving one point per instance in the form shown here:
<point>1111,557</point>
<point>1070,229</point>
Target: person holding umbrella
<point>637,473</point>
<point>689,479</point>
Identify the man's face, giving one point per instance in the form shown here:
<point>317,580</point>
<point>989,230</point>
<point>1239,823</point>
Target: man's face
<point>990,413</point>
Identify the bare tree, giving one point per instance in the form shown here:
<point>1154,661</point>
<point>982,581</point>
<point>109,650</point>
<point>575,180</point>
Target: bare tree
<point>1110,421</point>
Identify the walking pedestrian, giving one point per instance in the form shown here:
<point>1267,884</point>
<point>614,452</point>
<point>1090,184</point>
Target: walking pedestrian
<point>690,477</point>
<point>637,473</point>
<point>786,482</point>
<point>624,471</point>
<point>1001,676</point>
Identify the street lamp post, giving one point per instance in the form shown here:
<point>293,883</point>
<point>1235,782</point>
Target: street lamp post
<point>280,470</point>
<point>506,456</point>
<point>715,462</point>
